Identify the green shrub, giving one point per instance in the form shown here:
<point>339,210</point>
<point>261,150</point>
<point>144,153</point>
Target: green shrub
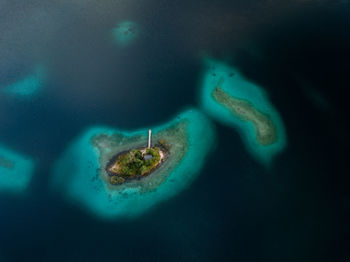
<point>132,162</point>
<point>138,155</point>
<point>143,170</point>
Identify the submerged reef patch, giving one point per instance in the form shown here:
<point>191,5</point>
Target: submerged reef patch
<point>16,170</point>
<point>82,171</point>
<point>29,85</point>
<point>229,97</point>
<point>125,32</point>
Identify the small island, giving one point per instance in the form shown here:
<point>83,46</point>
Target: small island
<point>114,173</point>
<point>226,95</point>
<point>137,163</point>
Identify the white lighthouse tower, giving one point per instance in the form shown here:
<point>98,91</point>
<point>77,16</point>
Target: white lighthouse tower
<point>149,138</point>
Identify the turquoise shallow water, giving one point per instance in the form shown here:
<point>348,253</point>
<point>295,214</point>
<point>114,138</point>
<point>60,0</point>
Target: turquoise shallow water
<point>28,86</point>
<point>125,33</point>
<point>18,177</point>
<point>236,209</point>
<point>76,173</point>
<point>235,84</point>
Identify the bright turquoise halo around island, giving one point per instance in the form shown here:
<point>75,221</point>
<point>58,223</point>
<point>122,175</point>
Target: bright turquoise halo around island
<point>28,86</point>
<point>253,101</point>
<point>125,33</point>
<point>80,173</point>
<point>16,170</point>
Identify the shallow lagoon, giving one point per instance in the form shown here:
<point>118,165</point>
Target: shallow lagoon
<point>237,86</point>
<point>81,177</point>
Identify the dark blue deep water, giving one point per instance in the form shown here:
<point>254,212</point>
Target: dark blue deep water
<point>236,210</point>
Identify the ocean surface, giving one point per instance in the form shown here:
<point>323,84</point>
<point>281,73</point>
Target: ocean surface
<point>236,209</point>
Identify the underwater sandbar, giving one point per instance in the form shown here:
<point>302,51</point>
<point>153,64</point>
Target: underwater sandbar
<point>28,86</point>
<point>125,32</point>
<point>16,170</point>
<point>226,95</point>
<point>263,125</point>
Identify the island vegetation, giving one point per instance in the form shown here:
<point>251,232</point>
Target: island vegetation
<point>136,163</point>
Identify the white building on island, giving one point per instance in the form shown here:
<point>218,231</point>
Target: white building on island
<point>149,138</point>
<point>148,156</point>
